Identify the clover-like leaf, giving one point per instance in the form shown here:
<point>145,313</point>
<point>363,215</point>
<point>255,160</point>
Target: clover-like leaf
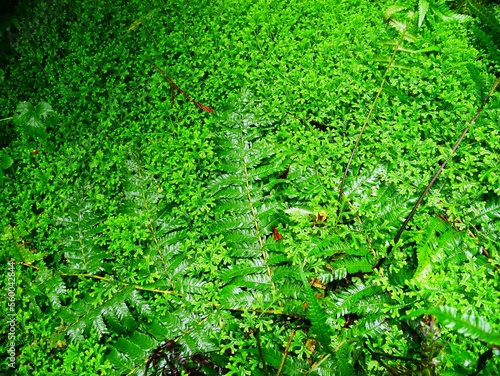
<point>5,161</point>
<point>34,118</point>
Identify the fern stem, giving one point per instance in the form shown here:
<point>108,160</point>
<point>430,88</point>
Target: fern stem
<point>29,265</point>
<point>9,118</point>
<point>368,116</point>
<point>285,354</point>
<point>316,365</point>
<point>436,175</point>
<point>109,280</point>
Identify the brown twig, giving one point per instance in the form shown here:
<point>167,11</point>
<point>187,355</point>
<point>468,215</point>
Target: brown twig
<point>285,354</point>
<point>174,87</point>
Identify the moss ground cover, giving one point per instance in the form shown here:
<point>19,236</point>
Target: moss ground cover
<point>150,234</point>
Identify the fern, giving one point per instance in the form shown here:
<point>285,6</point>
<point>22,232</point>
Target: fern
<point>356,300</point>
<point>317,316</point>
<point>488,19</point>
<point>161,236</point>
<point>423,8</point>
<point>438,242</point>
<point>82,227</point>
<point>467,324</point>
<point>292,365</point>
<point>246,209</point>
<point>486,223</point>
<point>480,86</point>
<point>487,41</point>
<point>52,286</point>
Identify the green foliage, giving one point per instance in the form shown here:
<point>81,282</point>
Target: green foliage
<point>5,163</point>
<point>467,324</point>
<point>33,119</point>
<point>154,236</point>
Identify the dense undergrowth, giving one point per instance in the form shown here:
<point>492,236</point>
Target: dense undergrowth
<point>171,177</point>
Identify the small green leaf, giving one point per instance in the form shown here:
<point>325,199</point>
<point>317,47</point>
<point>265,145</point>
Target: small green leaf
<point>5,161</point>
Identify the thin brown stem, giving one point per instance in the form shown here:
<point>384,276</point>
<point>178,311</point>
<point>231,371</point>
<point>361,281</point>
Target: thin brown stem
<point>174,87</point>
<point>285,354</point>
<point>436,175</point>
<point>367,119</point>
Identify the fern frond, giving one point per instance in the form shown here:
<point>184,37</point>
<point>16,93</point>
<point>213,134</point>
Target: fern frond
<point>351,265</point>
<point>331,246</point>
<point>438,241</point>
<point>316,314</point>
<point>486,222</point>
<point>245,208</point>
<point>442,10</point>
<point>81,228</point>
<point>111,308</point>
<point>354,299</point>
<point>469,325</point>
<point>53,286</point>
<point>362,181</point>
<point>490,212</point>
<point>478,80</point>
<point>122,363</point>
<point>134,350</point>
<point>160,235</point>
<point>423,7</point>
<point>487,18</point>
<point>369,327</point>
<point>384,210</point>
<point>487,41</point>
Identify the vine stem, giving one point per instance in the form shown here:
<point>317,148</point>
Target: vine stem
<point>9,118</point>
<point>436,175</point>
<point>368,116</point>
